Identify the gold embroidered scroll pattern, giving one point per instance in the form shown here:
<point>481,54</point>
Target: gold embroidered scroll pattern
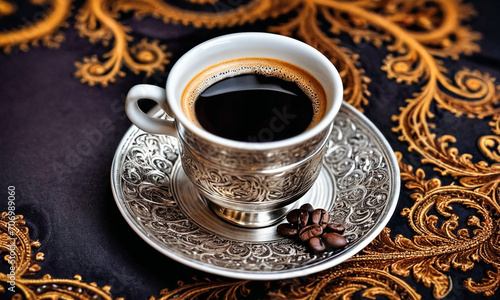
<point>99,21</point>
<point>305,26</point>
<point>422,31</point>
<point>472,94</point>
<point>6,8</point>
<point>490,144</point>
<point>455,243</point>
<point>19,255</point>
<point>442,242</point>
<point>346,282</point>
<point>41,29</point>
<point>417,34</point>
<point>206,289</point>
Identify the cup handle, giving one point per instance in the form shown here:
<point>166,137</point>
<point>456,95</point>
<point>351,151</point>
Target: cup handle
<point>141,119</point>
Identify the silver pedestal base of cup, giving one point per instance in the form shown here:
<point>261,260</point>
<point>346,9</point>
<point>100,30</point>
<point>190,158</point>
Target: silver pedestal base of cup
<point>257,214</point>
<point>321,195</point>
<point>248,197</point>
<point>251,219</point>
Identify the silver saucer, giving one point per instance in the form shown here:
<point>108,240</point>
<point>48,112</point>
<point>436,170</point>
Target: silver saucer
<point>359,186</point>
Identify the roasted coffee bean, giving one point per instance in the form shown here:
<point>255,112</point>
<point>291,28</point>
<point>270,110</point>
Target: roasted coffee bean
<point>310,231</point>
<point>334,240</point>
<point>303,219</point>
<point>335,227</point>
<point>311,227</point>
<point>316,244</point>
<point>307,207</point>
<point>287,230</point>
<point>320,217</point>
<point>294,215</point>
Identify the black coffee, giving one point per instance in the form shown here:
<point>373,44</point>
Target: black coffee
<point>254,108</point>
<point>254,100</point>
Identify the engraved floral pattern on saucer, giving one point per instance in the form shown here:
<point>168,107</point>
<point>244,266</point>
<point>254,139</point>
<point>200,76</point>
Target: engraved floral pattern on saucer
<point>359,186</point>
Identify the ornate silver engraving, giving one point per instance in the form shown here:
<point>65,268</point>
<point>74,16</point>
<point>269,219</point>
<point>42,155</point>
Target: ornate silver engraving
<point>242,158</point>
<point>251,187</point>
<point>358,161</point>
<point>248,186</point>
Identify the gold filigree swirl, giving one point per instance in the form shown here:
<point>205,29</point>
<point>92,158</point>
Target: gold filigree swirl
<point>41,29</point>
<point>419,37</point>
<point>16,243</point>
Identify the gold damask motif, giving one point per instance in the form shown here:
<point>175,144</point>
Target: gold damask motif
<point>98,20</point>
<point>490,144</point>
<point>442,242</point>
<point>42,29</point>
<point>19,251</point>
<point>418,34</point>
<point>6,8</point>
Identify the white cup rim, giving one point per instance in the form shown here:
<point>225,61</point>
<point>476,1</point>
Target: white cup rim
<point>335,101</point>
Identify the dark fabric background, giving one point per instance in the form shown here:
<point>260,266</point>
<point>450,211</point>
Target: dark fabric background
<point>46,115</point>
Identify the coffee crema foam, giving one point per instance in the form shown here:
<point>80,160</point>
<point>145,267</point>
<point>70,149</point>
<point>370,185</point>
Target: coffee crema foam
<point>262,66</point>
